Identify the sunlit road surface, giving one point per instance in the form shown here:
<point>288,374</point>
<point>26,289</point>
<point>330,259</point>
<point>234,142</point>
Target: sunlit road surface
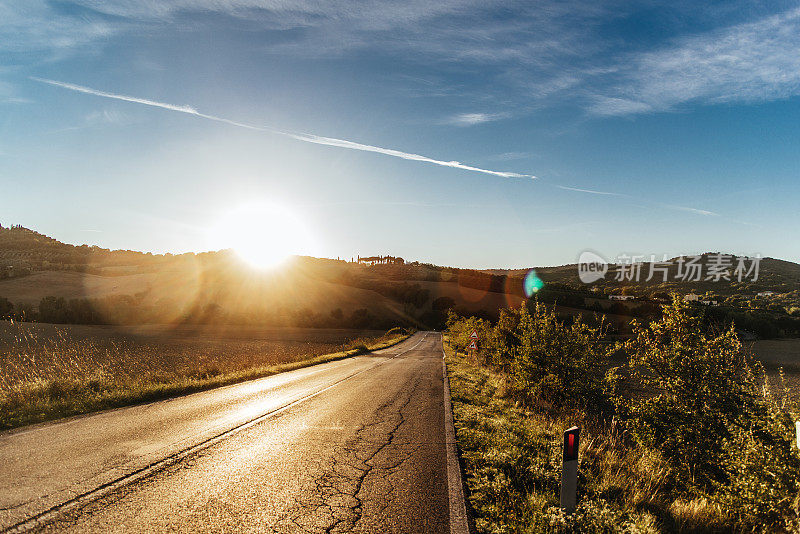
<point>356,445</point>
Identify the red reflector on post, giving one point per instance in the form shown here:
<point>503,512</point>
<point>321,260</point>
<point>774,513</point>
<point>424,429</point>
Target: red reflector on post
<point>571,437</point>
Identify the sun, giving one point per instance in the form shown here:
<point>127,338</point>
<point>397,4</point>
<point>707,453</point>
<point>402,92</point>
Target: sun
<point>262,234</point>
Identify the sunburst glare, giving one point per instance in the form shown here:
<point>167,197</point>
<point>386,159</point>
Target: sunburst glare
<point>262,234</point>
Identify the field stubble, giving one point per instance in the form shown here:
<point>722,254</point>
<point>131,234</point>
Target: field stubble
<point>49,371</point>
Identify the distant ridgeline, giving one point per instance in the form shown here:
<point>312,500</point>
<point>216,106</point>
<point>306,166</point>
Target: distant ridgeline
<point>23,250</point>
<point>383,290</point>
<point>27,251</point>
<point>774,275</point>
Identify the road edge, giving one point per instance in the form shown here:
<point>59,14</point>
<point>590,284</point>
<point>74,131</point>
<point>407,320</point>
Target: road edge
<point>459,519</point>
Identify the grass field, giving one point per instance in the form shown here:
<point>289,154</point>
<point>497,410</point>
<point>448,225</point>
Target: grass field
<point>49,371</point>
<point>778,354</point>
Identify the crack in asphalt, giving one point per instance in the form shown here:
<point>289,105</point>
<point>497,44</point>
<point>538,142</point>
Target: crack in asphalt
<point>356,482</point>
<point>337,497</point>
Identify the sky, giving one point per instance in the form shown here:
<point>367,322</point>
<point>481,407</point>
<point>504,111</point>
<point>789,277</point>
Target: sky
<point>466,133</point>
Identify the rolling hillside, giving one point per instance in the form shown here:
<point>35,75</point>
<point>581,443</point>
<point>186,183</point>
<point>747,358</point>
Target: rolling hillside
<point>779,276</point>
<point>134,287</point>
<point>167,288</point>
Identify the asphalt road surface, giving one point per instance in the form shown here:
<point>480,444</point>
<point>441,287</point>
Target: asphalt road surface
<point>358,445</point>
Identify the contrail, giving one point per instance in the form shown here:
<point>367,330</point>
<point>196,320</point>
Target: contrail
<point>304,137</point>
<point>590,191</point>
<point>696,211</point>
<point>88,90</point>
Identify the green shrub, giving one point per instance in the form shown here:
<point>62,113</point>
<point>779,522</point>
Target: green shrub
<point>459,329</point>
<point>548,362</point>
<point>709,412</point>
<point>699,441</point>
<point>559,365</point>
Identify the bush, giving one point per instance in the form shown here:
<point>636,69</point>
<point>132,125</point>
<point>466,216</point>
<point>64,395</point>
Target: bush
<point>549,363</point>
<point>459,329</point>
<point>559,365</point>
<point>699,441</point>
<point>712,417</point>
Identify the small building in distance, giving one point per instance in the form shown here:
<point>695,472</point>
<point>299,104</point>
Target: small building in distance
<point>621,297</point>
<point>381,260</point>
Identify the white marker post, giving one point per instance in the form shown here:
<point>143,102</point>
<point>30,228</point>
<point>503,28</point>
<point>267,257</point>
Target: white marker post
<point>569,472</point>
<point>797,429</point>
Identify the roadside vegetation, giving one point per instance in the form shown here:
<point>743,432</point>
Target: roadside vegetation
<point>48,372</point>
<point>681,431</point>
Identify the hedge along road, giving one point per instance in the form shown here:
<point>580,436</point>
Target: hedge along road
<point>352,445</point>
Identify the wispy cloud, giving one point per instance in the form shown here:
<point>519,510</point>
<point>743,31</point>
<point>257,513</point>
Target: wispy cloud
<point>304,137</point>
<point>471,119</point>
<point>603,105</point>
<point>550,53</point>
<point>98,119</point>
<point>463,34</point>
<point>510,156</point>
<point>748,62</point>
<point>8,95</point>
<point>106,116</point>
<point>697,211</point>
<point>40,27</point>
<point>17,100</point>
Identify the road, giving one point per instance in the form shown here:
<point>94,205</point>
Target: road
<point>358,445</point>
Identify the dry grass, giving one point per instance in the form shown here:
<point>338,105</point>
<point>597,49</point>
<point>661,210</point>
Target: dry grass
<point>49,371</point>
<point>512,460</point>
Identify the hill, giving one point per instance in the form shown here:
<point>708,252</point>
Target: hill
<point>779,276</point>
<point>57,282</point>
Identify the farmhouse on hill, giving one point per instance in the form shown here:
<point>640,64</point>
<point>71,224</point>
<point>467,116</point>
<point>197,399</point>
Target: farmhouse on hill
<point>381,260</point>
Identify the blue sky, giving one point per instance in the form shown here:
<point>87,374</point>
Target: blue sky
<point>635,128</point>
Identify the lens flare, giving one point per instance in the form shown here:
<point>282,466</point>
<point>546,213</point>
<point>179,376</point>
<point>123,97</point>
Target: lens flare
<point>263,234</point>
<point>532,283</point>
